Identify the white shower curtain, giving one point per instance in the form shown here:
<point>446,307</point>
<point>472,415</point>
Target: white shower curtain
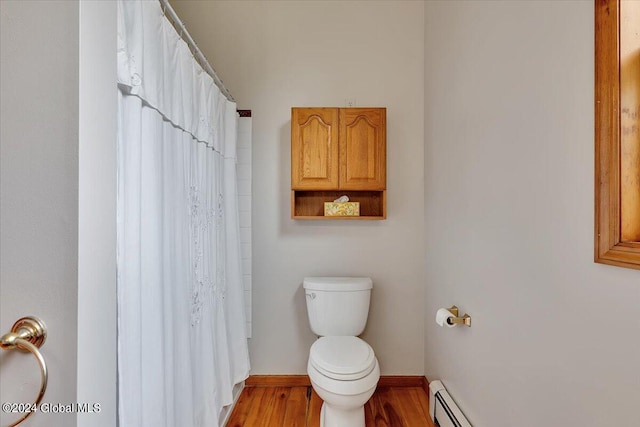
<point>181,326</point>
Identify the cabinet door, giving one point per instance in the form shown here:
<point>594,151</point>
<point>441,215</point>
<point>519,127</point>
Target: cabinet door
<point>363,156</point>
<point>314,148</point>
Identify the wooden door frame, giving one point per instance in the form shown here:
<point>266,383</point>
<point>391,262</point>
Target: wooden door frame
<point>609,249</point>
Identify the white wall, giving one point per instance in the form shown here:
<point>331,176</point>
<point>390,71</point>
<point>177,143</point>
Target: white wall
<point>509,221</point>
<point>97,183</point>
<point>244,210</point>
<point>279,54</point>
<point>39,190</point>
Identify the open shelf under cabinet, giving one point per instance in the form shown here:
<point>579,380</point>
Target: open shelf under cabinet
<point>309,204</point>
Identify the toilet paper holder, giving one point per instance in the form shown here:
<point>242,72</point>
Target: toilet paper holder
<point>455,320</point>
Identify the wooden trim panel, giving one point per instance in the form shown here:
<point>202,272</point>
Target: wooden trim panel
<point>425,385</point>
<point>277,381</point>
<point>401,381</point>
<point>608,246</point>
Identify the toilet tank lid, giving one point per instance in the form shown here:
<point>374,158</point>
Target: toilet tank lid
<point>345,284</point>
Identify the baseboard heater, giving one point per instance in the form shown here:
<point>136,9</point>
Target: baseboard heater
<point>443,410</point>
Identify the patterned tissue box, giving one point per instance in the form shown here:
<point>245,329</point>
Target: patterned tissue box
<point>341,208</point>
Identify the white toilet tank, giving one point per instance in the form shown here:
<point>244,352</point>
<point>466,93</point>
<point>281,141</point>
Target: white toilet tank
<point>337,306</point>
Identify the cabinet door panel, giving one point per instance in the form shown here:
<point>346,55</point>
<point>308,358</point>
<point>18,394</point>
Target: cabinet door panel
<point>314,148</point>
<point>363,149</point>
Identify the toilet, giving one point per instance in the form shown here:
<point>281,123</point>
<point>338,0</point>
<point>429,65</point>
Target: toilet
<point>343,368</point>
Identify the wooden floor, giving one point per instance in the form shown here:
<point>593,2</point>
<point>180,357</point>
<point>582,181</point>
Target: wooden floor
<point>300,407</point>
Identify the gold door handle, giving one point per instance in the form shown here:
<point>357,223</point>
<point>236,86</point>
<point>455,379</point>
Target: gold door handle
<point>27,334</point>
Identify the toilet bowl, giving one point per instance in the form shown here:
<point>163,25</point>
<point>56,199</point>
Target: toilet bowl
<point>343,368</point>
<point>344,372</point>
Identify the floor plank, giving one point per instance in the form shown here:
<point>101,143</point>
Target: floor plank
<point>300,407</point>
<point>374,414</point>
<point>280,402</point>
<point>390,407</point>
<point>295,414</point>
<point>313,414</point>
<point>422,398</point>
<point>241,410</point>
<point>408,408</point>
<point>261,403</point>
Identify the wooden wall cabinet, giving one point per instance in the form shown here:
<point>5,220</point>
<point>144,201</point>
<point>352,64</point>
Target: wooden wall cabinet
<point>337,151</point>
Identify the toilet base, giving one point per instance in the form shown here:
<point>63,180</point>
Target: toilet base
<point>341,417</point>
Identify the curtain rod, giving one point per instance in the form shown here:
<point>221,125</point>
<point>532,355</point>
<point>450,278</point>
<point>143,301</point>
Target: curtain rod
<point>168,11</point>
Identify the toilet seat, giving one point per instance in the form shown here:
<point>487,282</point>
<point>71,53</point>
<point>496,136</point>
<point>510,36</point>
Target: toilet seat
<point>343,358</point>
